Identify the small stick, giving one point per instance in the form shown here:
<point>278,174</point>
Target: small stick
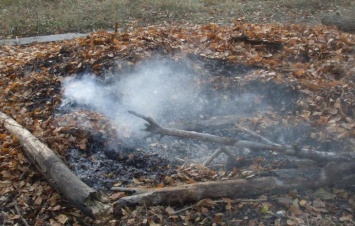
<point>259,137</point>
<point>213,156</point>
<point>228,152</point>
<point>225,150</point>
<point>183,209</point>
<point>21,217</point>
<point>221,201</point>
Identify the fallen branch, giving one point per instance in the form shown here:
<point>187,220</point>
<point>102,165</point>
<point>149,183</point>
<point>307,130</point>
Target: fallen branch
<point>89,201</point>
<point>213,156</point>
<point>283,181</point>
<point>220,150</point>
<point>155,129</point>
<point>197,125</point>
<point>257,136</point>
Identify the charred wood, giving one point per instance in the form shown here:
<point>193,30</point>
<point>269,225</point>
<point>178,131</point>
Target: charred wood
<point>155,129</point>
<point>220,150</point>
<point>198,125</point>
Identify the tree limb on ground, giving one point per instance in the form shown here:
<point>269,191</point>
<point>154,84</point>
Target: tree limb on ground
<point>283,181</point>
<point>197,125</point>
<point>86,199</point>
<point>155,129</point>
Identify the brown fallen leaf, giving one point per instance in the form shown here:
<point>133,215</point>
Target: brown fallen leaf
<point>117,195</point>
<point>217,218</point>
<point>347,217</point>
<point>170,210</point>
<point>61,218</point>
<point>206,203</point>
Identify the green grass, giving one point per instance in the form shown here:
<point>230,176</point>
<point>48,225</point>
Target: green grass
<point>37,17</point>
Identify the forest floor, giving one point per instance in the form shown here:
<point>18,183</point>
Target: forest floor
<point>298,90</point>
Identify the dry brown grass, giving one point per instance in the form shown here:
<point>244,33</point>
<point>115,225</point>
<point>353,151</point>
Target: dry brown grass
<point>32,17</point>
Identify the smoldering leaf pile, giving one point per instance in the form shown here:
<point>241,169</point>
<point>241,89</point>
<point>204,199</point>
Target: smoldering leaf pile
<point>164,90</point>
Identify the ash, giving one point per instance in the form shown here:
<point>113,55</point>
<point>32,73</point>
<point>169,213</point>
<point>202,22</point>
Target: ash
<point>172,91</point>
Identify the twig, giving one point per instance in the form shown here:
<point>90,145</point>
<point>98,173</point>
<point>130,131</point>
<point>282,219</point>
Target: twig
<point>222,201</point>
<point>183,209</point>
<point>25,171</point>
<point>260,138</point>
<point>42,208</point>
<point>21,217</point>
<point>225,150</point>
<point>196,125</point>
<point>307,219</point>
<point>228,152</point>
<point>213,156</point>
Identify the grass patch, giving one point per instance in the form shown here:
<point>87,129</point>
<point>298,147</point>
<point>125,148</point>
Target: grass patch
<point>31,17</point>
<point>37,17</point>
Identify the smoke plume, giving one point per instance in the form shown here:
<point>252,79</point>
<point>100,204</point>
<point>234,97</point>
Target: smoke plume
<point>163,89</point>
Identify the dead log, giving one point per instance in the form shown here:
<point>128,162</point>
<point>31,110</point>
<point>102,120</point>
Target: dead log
<point>282,181</point>
<point>89,201</point>
<point>155,129</point>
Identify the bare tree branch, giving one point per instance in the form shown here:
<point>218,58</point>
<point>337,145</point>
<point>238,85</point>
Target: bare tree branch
<point>155,129</point>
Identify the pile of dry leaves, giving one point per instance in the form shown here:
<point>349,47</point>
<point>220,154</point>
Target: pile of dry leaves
<point>316,61</point>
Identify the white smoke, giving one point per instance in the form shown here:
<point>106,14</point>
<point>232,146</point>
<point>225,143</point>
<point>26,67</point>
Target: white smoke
<point>162,89</point>
<point>156,89</point>
<point>87,91</point>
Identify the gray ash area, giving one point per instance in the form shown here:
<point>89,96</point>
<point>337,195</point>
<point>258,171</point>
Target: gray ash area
<point>100,169</point>
<point>173,92</point>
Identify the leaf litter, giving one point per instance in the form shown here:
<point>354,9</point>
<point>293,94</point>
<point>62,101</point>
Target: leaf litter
<point>315,65</point>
